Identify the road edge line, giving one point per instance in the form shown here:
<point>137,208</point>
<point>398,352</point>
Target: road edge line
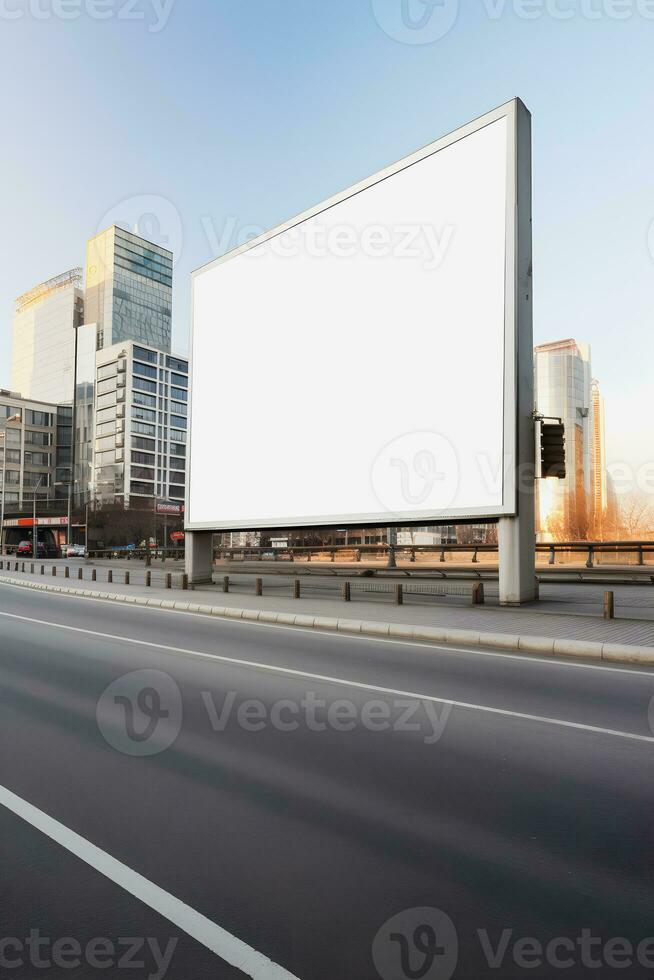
<point>516,643</point>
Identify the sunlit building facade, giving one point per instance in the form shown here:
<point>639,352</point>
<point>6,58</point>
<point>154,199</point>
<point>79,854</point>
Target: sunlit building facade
<point>43,351</point>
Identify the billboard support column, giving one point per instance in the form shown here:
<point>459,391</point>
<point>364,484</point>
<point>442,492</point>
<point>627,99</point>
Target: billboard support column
<point>199,556</point>
<point>517,535</point>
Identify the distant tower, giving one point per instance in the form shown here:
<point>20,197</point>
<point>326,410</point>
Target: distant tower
<point>563,390</point>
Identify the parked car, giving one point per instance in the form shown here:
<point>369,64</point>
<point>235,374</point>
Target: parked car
<point>25,549</point>
<point>76,551</point>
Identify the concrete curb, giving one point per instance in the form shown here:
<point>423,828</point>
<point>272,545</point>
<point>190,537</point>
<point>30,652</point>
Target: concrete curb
<point>543,645</point>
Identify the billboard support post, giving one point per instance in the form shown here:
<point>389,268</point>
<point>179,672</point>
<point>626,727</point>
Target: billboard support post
<point>517,535</point>
<point>199,556</point>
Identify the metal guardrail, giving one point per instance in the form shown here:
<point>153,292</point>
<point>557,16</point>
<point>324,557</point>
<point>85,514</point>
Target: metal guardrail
<point>411,553</point>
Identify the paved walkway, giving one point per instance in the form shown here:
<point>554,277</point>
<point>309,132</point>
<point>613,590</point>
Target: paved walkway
<point>572,612</point>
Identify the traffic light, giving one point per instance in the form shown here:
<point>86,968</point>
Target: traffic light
<point>552,450</point>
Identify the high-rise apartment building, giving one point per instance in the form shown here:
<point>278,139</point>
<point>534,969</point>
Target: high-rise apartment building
<point>129,285</point>
<point>563,390</point>
<point>43,354</point>
<point>141,418</point>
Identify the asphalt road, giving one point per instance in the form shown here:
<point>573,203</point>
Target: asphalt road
<point>315,800</point>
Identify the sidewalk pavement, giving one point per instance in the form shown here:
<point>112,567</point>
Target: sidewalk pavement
<point>465,624</point>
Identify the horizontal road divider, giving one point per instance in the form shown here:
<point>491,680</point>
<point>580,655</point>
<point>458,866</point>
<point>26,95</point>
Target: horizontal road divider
<point>543,645</point>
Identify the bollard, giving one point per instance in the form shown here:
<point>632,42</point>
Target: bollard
<point>42,569</point>
<point>32,568</point>
<point>169,580</point>
<point>80,574</point>
<point>399,594</point>
<point>16,567</point>
<point>110,576</point>
<point>94,575</point>
<point>226,583</point>
<point>54,571</point>
<point>442,555</point>
<point>609,605</point>
<point>346,592</point>
<point>126,578</point>
<point>67,572</point>
<point>185,582</point>
<point>23,567</point>
<point>478,594</point>
<point>258,586</point>
<point>475,557</point>
<point>296,589</point>
<point>148,579</point>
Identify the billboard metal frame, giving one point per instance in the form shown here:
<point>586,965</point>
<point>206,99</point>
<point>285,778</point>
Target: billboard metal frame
<point>517,324</point>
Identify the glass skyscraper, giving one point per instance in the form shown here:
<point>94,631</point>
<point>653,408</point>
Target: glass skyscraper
<point>129,289</point>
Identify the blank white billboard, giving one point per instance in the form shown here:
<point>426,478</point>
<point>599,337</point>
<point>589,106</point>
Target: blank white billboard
<point>355,365</point>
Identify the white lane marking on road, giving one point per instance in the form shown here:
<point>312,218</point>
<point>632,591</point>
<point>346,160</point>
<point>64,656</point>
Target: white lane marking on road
<point>212,936</point>
<point>340,681</point>
<point>523,658</point>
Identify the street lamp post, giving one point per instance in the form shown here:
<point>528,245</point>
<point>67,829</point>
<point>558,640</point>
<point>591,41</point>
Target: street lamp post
<point>3,433</point>
<point>35,527</point>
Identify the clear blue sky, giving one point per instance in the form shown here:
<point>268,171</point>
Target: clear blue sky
<point>249,111</point>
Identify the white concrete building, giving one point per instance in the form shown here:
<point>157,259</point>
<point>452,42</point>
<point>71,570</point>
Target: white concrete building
<point>43,354</point>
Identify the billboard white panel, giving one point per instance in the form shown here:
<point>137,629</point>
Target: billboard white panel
<point>356,365</point>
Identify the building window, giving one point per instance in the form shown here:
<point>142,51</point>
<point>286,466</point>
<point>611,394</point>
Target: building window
<point>176,364</point>
<point>143,458</point>
<point>139,443</point>
<point>145,369</point>
<point>148,400</point>
<point>144,414</point>
<point>143,429</point>
<point>38,418</point>
<point>179,379</point>
<point>178,464</point>
<point>147,489</point>
<point>141,473</point>
<point>142,385</point>
<point>178,478</point>
<point>178,423</point>
<point>177,493</point>
<point>145,355</point>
